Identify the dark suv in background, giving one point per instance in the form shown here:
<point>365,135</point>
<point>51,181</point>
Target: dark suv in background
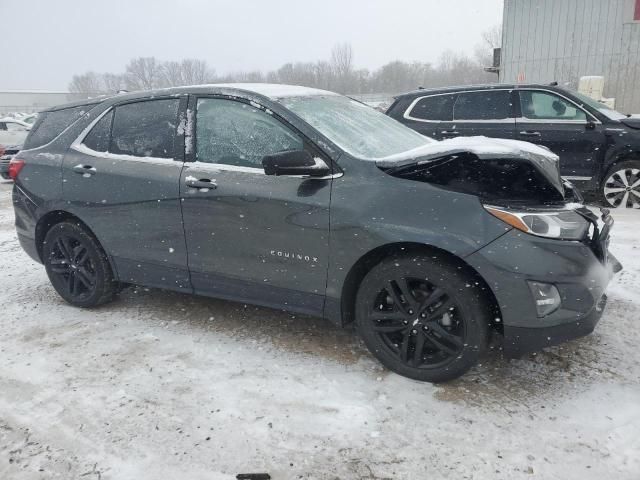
<point>599,148</point>
<point>308,201</point>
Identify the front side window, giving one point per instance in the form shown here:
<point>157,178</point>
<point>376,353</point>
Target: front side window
<point>483,105</point>
<point>438,108</point>
<point>145,129</point>
<point>537,105</point>
<point>235,133</point>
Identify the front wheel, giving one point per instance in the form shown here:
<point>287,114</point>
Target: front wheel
<point>423,317</point>
<point>621,186</point>
<point>77,266</point>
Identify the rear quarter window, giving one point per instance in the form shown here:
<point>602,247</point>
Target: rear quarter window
<point>437,108</point>
<point>51,124</point>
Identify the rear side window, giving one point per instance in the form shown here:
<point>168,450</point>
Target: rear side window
<point>435,108</point>
<point>100,135</point>
<point>51,124</point>
<point>485,105</point>
<point>145,129</point>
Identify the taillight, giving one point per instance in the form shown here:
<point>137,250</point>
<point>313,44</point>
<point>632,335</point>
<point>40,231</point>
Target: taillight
<point>15,165</point>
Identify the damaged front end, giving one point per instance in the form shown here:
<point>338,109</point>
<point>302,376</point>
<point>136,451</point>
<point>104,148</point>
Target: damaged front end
<point>517,182</point>
<point>504,172</point>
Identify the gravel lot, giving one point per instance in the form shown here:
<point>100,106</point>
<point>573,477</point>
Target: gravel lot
<point>162,385</point>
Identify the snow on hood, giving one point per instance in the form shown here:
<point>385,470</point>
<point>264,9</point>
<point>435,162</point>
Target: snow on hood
<point>543,159</point>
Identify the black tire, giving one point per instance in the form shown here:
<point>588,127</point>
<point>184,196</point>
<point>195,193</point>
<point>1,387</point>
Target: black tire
<point>620,186</point>
<point>419,303</point>
<point>77,266</point>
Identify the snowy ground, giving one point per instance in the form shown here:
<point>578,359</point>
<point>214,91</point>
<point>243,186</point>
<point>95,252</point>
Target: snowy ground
<point>166,386</point>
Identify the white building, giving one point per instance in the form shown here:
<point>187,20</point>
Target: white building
<point>562,40</point>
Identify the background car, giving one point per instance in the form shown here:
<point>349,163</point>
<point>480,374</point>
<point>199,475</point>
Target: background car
<point>599,148</point>
<point>13,132</point>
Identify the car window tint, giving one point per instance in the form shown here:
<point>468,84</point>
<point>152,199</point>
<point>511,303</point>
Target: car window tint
<point>538,105</point>
<point>435,108</point>
<point>234,133</point>
<point>50,124</point>
<point>145,129</point>
<point>98,138</point>
<point>484,105</point>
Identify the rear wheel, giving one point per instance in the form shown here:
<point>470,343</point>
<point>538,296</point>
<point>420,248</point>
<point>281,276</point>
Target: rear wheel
<point>77,266</point>
<point>621,186</point>
<point>422,317</point>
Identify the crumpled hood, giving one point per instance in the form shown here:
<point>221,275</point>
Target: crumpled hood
<point>543,159</point>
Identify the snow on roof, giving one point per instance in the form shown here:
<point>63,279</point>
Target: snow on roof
<point>273,90</point>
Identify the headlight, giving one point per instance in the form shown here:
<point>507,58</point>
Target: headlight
<point>562,224</point>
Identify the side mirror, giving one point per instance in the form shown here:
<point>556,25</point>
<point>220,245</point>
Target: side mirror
<point>296,163</point>
<point>590,125</point>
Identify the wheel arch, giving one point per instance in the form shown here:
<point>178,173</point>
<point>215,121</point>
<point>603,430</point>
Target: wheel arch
<point>54,217</point>
<point>615,159</point>
<point>365,263</point>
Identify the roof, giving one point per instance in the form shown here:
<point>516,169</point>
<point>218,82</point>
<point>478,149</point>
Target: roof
<point>486,86</point>
<point>273,91</point>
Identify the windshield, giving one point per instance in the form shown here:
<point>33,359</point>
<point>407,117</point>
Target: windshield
<point>355,127</point>
<point>607,111</point>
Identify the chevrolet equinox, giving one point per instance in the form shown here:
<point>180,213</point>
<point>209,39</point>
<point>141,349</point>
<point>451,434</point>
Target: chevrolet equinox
<point>308,201</point>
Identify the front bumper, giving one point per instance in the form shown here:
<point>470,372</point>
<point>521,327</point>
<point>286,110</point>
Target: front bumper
<point>579,272</point>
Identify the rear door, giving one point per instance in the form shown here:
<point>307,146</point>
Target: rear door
<point>549,119</point>
<point>488,113</point>
<point>122,177</point>
<point>250,236</point>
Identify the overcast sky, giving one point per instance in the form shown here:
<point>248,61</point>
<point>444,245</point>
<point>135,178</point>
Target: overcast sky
<point>51,40</point>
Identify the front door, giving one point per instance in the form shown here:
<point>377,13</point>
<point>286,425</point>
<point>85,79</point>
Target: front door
<point>566,129</point>
<point>122,179</point>
<point>250,236</point>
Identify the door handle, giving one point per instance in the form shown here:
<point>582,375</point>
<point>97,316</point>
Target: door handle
<point>449,132</point>
<point>203,184</point>
<point>84,170</point>
<point>529,133</point>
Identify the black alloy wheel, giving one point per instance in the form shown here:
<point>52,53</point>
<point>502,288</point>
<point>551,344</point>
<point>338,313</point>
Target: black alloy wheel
<point>422,317</point>
<point>77,266</point>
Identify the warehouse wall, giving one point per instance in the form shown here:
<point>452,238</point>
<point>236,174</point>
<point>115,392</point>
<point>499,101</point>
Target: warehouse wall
<point>562,40</point>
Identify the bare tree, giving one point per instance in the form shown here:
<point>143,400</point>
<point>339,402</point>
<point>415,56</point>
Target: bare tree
<point>171,74</point>
<point>89,82</point>
<point>195,72</point>
<point>492,38</point>
<point>338,73</point>
<point>342,64</point>
<point>143,73</point>
<point>112,82</point>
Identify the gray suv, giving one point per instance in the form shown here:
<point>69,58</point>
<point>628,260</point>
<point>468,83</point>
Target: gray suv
<point>308,201</point>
